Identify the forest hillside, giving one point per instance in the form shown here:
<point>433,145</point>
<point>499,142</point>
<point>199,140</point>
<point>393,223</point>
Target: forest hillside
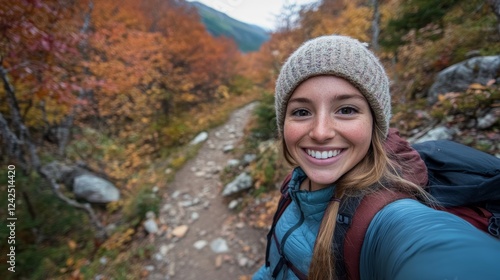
<point>99,93</point>
<point>248,37</point>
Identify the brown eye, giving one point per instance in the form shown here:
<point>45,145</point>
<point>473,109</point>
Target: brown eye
<point>347,111</point>
<point>300,113</point>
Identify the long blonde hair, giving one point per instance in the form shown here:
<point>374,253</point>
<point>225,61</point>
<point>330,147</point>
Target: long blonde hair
<point>375,170</point>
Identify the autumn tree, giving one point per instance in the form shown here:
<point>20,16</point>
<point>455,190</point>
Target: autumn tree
<point>39,69</point>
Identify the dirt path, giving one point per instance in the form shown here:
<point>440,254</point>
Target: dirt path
<point>194,203</point>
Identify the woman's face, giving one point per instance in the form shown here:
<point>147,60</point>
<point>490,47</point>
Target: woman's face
<point>328,128</point>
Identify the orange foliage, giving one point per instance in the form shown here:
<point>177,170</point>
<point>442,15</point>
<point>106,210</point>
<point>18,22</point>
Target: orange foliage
<point>138,63</point>
<point>344,17</point>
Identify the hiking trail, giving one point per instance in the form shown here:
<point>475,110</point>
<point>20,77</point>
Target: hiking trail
<point>206,240</point>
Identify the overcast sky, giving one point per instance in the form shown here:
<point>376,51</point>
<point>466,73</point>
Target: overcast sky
<point>259,12</point>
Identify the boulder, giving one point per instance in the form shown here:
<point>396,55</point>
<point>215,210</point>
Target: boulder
<point>240,183</point>
<point>458,77</point>
<point>438,133</point>
<point>200,138</point>
<point>95,189</point>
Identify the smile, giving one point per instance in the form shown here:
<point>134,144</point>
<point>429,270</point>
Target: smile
<point>323,154</point>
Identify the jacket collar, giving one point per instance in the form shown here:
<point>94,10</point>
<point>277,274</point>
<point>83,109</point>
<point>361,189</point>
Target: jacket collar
<point>310,203</point>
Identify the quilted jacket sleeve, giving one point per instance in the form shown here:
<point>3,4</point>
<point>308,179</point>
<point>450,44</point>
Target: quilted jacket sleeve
<point>408,240</point>
<point>262,274</point>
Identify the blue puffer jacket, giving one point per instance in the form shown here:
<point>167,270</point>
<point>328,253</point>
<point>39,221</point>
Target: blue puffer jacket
<point>300,221</point>
<point>405,240</point>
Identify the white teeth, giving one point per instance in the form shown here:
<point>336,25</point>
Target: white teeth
<point>324,154</point>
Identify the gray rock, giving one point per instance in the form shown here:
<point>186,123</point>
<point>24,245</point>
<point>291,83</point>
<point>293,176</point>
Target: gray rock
<point>438,133</point>
<point>233,204</point>
<point>488,120</point>
<point>200,138</point>
<point>233,163</point>
<point>200,244</point>
<point>248,158</point>
<point>228,148</point>
<point>150,226</point>
<point>240,183</point>
<point>219,245</point>
<point>195,216</point>
<point>95,189</point>
<point>459,76</point>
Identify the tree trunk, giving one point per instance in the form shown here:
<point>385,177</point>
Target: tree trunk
<point>67,123</point>
<point>375,25</point>
<point>495,6</point>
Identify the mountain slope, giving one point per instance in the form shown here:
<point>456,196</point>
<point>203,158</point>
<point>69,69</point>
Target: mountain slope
<point>248,37</point>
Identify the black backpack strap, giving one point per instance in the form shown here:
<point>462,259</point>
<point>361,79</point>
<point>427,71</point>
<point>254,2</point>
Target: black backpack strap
<point>283,259</point>
<point>283,203</point>
<point>494,222</point>
<point>344,219</point>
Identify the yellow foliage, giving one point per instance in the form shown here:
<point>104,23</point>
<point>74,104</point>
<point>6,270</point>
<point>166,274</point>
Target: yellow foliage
<point>476,86</point>
<point>72,244</point>
<point>117,240</point>
<point>178,161</point>
<point>352,20</point>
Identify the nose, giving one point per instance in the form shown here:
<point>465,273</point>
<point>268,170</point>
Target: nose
<point>323,128</point>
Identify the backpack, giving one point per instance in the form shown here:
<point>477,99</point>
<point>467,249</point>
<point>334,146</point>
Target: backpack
<point>465,181</point>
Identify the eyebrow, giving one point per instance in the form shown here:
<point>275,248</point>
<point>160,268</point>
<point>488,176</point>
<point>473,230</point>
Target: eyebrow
<point>339,97</point>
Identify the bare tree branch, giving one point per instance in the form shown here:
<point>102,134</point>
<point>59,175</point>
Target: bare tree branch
<point>67,123</point>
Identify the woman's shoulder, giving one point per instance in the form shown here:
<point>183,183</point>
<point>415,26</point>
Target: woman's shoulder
<point>408,237</point>
<point>411,213</point>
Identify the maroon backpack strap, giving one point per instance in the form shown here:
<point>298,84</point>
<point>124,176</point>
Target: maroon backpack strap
<point>355,235</point>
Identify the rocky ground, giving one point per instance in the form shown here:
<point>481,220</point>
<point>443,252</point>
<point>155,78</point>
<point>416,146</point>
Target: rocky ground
<point>199,236</point>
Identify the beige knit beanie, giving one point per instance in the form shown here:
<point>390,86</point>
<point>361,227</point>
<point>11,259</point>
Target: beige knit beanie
<point>339,56</point>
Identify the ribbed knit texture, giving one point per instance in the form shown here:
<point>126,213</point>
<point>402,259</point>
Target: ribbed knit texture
<point>339,56</point>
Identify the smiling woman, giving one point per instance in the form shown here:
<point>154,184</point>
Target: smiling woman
<point>327,116</point>
<point>333,108</point>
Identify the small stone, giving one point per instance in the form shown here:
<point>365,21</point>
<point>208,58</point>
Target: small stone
<point>248,158</point>
<point>149,268</point>
<point>233,204</point>
<point>176,194</point>
<point>195,216</point>
<point>202,137</point>
<point>227,148</point>
<point>233,163</point>
<point>200,244</point>
<point>219,245</point>
<point>158,257</point>
<point>242,261</point>
<point>218,261</point>
<point>240,225</point>
<point>180,231</point>
<point>164,250</point>
<point>150,215</point>
<point>171,269</point>
<point>150,226</point>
